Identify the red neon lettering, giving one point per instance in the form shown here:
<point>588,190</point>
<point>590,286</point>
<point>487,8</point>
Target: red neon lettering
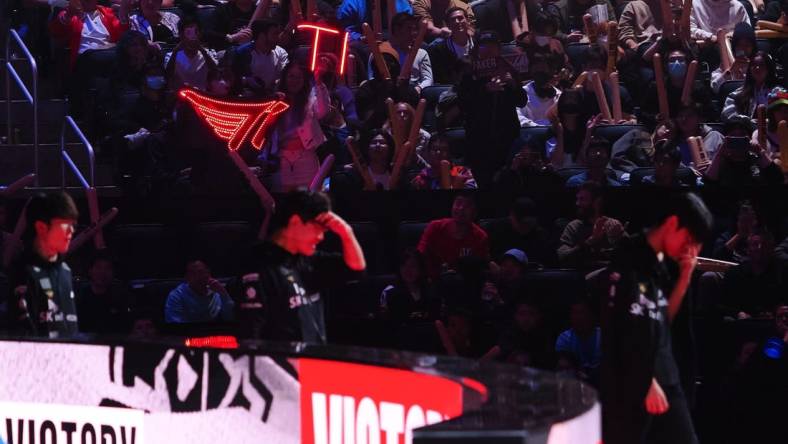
<point>316,44</point>
<point>235,121</point>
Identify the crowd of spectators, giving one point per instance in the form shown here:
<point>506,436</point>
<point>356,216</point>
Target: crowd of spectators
<point>512,107</point>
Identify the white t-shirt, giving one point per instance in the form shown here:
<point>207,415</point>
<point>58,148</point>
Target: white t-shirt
<point>268,67</point>
<point>382,179</point>
<point>190,70</point>
<point>94,33</point>
<point>534,113</point>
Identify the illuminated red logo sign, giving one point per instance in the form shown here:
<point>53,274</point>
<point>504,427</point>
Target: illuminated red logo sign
<point>316,44</point>
<point>236,122</point>
<point>353,403</point>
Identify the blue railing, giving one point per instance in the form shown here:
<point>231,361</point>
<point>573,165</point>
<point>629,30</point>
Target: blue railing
<point>32,98</point>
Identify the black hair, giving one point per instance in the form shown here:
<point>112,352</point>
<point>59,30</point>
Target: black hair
<point>593,187</point>
<point>454,9</point>
<point>544,20</point>
<point>262,26</point>
<point>367,137</point>
<point>306,204</point>
<point>186,21</point>
<point>691,212</point>
<point>469,196</point>
<point>523,207</point>
<point>744,97</point>
<point>596,142</point>
<point>743,31</point>
<point>738,122</point>
<point>435,138</point>
<point>596,55</point>
<point>45,207</point>
<point>529,301</point>
<point>401,19</point>
<point>669,149</point>
<point>299,100</point>
<point>784,6</point>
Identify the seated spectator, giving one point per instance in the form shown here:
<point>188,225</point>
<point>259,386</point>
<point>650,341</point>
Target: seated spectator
<point>731,245</point>
<point>597,160</point>
<point>743,48</point>
<point>760,79</point>
<point>753,287</point>
<point>353,13</point>
<point>675,66</point>
<point>158,26</point>
<point>543,39</point>
<point>528,170</point>
<point>572,124</point>
<point>200,299</point>
<point>291,153</point>
<point>710,16</point>
<point>687,124</point>
<point>134,56</point>
<point>86,27</point>
<point>528,342</point>
<point>377,150</point>
<point>189,63</point>
<point>404,28</point>
<point>734,166</point>
<point>445,53</point>
<point>541,92</point>
<point>103,304</point>
<point>259,63</point>
<point>776,112</point>
<point>572,14</point>
<point>588,240</point>
<point>406,115</point>
<point>596,61</point>
<point>447,240</point>
<point>229,24</point>
<point>667,159</point>
<point>636,25</point>
<point>429,178</point>
<point>757,389</point>
<point>489,97</point>
<point>410,298</point>
<point>435,13</point>
<point>582,340</point>
<point>372,94</point>
<point>143,326</point>
<point>521,230</point>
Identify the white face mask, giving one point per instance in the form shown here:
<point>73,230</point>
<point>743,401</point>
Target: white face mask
<point>602,40</point>
<point>542,40</point>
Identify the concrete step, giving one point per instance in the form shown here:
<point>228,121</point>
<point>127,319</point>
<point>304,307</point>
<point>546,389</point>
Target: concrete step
<point>19,160</point>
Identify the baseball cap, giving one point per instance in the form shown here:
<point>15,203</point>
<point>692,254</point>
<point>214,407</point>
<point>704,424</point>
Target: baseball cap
<point>777,96</point>
<point>518,255</point>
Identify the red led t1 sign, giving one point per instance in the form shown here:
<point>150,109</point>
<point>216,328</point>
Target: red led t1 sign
<point>236,122</point>
<point>343,402</point>
<point>322,31</point>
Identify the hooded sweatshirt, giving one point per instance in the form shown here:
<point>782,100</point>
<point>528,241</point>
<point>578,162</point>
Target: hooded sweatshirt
<point>710,15</point>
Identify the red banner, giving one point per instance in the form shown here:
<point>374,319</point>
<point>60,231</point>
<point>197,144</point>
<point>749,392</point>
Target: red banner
<point>363,404</point>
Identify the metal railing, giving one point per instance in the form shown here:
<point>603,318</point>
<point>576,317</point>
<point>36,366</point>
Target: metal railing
<point>65,158</point>
<point>32,99</point>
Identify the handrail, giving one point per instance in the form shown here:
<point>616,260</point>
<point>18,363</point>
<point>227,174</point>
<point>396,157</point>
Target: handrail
<point>32,99</point>
<point>65,158</point>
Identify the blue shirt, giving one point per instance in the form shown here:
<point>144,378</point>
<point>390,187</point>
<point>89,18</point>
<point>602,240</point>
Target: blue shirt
<point>184,306</point>
<point>587,352</point>
<point>352,13</point>
<point>578,179</point>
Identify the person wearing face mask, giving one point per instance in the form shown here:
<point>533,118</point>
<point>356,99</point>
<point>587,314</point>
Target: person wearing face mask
<point>675,67</point>
<point>760,79</point>
<point>541,92</point>
<point>743,45</point>
<point>543,37</point>
<point>444,53</point>
<point>596,61</point>
<point>435,12</point>
<point>570,123</point>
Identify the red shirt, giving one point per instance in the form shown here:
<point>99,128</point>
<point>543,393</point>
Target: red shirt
<point>439,246</point>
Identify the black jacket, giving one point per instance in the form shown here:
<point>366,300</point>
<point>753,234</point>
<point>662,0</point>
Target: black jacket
<point>42,299</point>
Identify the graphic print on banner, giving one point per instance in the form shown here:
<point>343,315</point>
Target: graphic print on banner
<point>354,403</point>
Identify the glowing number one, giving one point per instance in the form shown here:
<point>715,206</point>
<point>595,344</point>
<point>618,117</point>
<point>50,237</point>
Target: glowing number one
<point>235,121</point>
<point>316,43</point>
